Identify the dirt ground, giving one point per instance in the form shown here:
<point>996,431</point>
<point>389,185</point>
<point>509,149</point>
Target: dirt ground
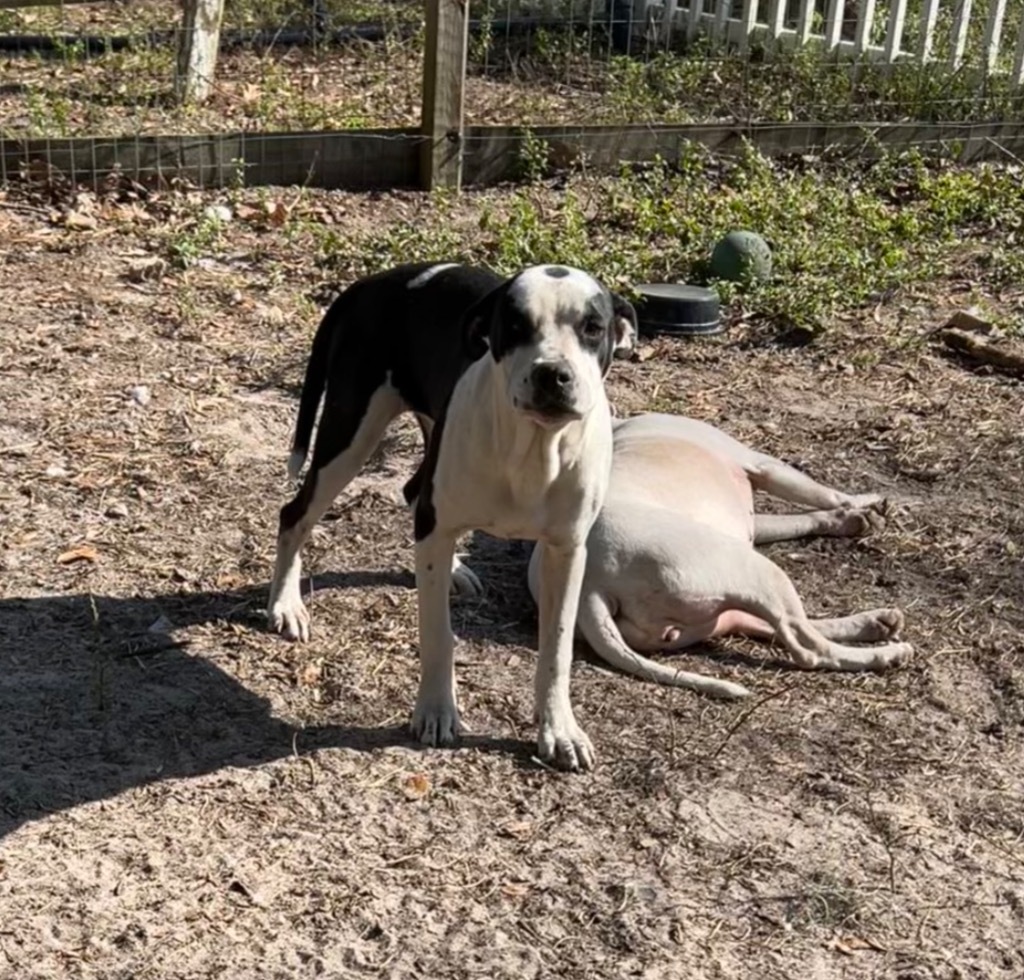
<point>184,795</point>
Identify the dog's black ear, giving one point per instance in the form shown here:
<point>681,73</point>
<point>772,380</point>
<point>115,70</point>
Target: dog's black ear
<point>476,324</point>
<point>625,326</point>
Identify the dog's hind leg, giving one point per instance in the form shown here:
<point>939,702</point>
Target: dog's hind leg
<point>841,522</point>
<point>870,626</point>
<point>781,480</point>
<point>344,442</point>
<point>770,596</point>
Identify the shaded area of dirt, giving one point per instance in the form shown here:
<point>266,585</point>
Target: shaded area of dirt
<point>182,794</point>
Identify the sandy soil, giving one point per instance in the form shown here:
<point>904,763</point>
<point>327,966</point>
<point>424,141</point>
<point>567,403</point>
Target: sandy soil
<point>184,795</point>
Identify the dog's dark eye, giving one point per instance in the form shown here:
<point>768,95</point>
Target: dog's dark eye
<point>592,329</point>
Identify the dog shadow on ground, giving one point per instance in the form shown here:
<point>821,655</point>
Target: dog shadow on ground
<point>92,702</point>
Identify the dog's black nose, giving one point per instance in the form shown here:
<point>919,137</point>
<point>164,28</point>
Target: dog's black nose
<point>554,379</point>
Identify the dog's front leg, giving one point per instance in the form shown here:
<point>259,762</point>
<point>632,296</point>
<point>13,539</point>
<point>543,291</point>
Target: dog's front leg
<point>435,719</point>
<point>560,739</point>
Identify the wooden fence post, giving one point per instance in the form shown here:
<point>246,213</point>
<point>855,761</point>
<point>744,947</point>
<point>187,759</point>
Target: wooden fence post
<point>444,76</point>
<point>198,44</point>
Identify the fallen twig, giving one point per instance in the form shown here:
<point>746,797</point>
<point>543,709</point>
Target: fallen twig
<point>982,350</point>
<point>24,208</point>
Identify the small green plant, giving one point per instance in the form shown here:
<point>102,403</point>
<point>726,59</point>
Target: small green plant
<point>534,157</point>
<point>195,239</point>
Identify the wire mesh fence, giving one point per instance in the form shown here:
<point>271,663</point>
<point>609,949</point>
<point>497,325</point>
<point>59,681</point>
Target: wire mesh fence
<point>732,61</point>
<point>108,68</point>
<point>292,72</point>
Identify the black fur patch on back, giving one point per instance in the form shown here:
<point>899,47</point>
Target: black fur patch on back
<point>556,271</point>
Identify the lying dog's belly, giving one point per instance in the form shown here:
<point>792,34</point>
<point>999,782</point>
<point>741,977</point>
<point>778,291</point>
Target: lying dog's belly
<point>685,479</point>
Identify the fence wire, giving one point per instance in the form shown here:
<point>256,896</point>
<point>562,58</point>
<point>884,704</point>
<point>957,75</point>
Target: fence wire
<point>611,61</point>
<point>108,68</point>
<point>292,72</point>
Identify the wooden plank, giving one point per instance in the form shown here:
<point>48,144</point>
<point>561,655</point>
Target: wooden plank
<point>668,17</point>
<point>894,29</point>
<point>719,28</point>
<point>805,20</point>
<point>747,21</point>
<point>353,160</point>
<point>640,15</point>
<point>958,40</point>
<point>926,40</point>
<point>693,16</point>
<point>790,39</point>
<point>865,23</point>
<point>834,23</point>
<point>1017,72</point>
<point>13,4</point>
<point>776,17</point>
<point>493,152</point>
<point>379,159</point>
<point>736,33</point>
<point>444,77</point>
<point>198,45</point>
<point>993,34</point>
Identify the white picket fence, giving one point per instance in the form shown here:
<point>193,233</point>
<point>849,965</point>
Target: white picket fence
<point>664,19</point>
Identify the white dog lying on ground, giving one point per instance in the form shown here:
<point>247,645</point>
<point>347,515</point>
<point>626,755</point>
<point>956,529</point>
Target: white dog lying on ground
<point>671,558</point>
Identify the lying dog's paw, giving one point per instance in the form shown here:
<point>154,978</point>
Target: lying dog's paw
<point>289,617</point>
<point>464,580</point>
<point>870,501</point>
<point>888,623</point>
<point>891,656</point>
<point>858,522</point>
<point>435,721</point>
<point>563,744</point>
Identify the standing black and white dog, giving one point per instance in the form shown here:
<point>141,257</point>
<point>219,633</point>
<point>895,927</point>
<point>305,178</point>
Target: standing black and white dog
<point>531,416</point>
<point>390,343</point>
<point>523,450</point>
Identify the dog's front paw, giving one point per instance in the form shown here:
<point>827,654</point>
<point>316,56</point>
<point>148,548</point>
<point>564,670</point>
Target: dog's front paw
<point>289,617</point>
<point>435,721</point>
<point>563,743</point>
<point>464,580</point>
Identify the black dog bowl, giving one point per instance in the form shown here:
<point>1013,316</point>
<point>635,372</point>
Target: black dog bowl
<point>676,308</point>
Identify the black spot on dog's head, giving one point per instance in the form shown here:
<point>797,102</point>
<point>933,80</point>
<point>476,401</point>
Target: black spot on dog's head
<point>604,323</point>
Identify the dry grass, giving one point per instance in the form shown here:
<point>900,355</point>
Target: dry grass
<point>182,794</point>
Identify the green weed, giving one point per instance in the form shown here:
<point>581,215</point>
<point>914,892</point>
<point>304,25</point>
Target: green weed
<point>194,239</point>
<point>844,233</point>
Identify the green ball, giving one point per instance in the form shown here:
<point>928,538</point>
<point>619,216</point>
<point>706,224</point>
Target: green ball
<point>742,256</point>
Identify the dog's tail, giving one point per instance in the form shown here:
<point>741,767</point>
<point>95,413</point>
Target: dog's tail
<point>312,388</point>
<point>598,628</point>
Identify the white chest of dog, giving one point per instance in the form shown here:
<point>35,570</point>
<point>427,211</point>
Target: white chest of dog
<point>523,450</point>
